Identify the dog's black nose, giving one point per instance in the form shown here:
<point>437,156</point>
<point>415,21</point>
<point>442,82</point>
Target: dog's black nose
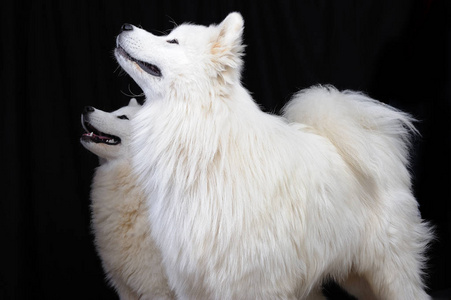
<point>88,109</point>
<point>126,27</point>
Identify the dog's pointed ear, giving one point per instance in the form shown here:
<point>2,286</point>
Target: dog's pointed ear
<point>227,48</point>
<point>231,30</point>
<point>133,102</point>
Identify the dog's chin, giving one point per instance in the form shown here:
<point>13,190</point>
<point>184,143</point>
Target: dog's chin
<point>146,82</point>
<point>102,151</point>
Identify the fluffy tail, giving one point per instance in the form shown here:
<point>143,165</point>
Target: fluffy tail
<point>373,138</point>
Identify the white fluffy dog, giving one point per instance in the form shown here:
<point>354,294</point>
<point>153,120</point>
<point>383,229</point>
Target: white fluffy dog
<point>248,205</point>
<point>121,227</point>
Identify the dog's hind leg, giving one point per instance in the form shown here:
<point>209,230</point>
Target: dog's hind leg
<point>390,283</point>
<point>397,266</point>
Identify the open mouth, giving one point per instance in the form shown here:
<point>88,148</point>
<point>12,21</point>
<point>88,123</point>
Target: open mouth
<point>147,67</point>
<point>96,136</point>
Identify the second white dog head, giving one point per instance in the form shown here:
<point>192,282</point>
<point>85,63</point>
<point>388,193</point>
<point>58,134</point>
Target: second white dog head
<point>108,134</point>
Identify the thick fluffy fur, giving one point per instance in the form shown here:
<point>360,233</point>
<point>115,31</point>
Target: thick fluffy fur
<point>247,205</point>
<point>121,227</point>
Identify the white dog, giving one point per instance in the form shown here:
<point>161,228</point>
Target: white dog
<point>121,227</point>
<point>247,205</point>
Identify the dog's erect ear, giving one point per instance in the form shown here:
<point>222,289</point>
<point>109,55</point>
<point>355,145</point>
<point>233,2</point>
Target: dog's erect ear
<point>227,48</point>
<point>133,102</point>
<point>231,31</point>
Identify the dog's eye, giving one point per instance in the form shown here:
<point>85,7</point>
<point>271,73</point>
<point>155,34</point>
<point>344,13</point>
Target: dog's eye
<point>123,117</point>
<point>173,41</point>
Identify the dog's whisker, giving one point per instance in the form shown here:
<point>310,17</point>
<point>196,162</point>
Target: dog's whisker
<point>131,93</point>
<point>171,20</point>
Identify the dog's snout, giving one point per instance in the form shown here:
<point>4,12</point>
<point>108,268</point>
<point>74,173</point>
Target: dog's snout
<point>88,109</point>
<point>126,27</point>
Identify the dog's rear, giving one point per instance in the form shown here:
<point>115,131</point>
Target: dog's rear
<point>370,136</point>
<point>374,139</point>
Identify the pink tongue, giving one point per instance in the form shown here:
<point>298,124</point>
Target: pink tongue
<point>96,136</point>
<point>103,137</point>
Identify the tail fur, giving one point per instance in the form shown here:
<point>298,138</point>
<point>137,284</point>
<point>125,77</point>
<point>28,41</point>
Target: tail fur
<point>371,136</point>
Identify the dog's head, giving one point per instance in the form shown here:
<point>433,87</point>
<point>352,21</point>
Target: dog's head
<point>191,60</point>
<point>108,134</point>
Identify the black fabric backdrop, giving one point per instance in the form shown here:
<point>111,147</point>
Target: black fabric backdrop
<point>56,57</point>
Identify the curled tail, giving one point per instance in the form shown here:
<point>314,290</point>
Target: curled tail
<point>373,138</point>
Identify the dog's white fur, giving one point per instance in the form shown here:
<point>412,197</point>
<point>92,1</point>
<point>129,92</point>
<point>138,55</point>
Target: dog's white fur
<point>130,258</point>
<point>248,205</point>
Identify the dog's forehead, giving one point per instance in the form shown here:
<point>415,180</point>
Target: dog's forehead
<point>192,31</point>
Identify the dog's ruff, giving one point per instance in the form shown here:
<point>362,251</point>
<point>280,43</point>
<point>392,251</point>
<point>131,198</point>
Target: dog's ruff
<point>130,258</point>
<point>248,205</point>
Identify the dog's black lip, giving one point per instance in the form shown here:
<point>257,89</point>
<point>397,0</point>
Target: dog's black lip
<point>124,53</point>
<point>145,66</point>
<point>94,135</point>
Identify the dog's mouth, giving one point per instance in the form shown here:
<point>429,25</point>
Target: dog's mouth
<point>98,137</point>
<point>147,67</point>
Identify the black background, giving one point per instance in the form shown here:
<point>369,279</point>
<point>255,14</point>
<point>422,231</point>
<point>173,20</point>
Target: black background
<point>56,57</point>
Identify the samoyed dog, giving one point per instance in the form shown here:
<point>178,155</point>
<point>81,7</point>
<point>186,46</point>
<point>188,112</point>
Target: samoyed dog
<point>121,227</point>
<point>249,205</point>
